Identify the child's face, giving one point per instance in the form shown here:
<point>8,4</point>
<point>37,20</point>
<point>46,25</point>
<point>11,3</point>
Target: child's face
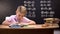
<point>19,15</point>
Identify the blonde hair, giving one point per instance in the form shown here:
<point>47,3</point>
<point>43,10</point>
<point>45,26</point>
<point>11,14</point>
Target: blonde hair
<point>22,9</point>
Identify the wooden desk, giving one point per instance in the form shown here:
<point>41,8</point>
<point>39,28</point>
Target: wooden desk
<point>30,29</point>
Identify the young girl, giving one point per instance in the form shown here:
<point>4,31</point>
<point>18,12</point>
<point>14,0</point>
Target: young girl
<point>19,18</point>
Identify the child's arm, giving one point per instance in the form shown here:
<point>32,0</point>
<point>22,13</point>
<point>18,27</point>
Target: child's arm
<point>6,22</point>
<point>27,21</point>
<point>31,22</point>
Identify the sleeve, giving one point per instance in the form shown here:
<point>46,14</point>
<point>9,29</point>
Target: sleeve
<point>8,19</point>
<point>26,20</point>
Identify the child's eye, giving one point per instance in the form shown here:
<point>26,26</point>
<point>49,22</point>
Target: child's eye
<point>22,16</point>
<point>19,15</point>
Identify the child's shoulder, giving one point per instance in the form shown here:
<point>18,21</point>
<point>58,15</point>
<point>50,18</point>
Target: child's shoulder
<point>12,16</point>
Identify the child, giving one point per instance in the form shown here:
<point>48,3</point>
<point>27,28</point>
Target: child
<point>19,17</point>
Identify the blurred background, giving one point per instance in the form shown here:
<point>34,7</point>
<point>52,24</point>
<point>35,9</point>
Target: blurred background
<point>37,10</point>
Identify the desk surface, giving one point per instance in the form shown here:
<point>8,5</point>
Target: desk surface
<point>30,29</point>
<point>39,26</point>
